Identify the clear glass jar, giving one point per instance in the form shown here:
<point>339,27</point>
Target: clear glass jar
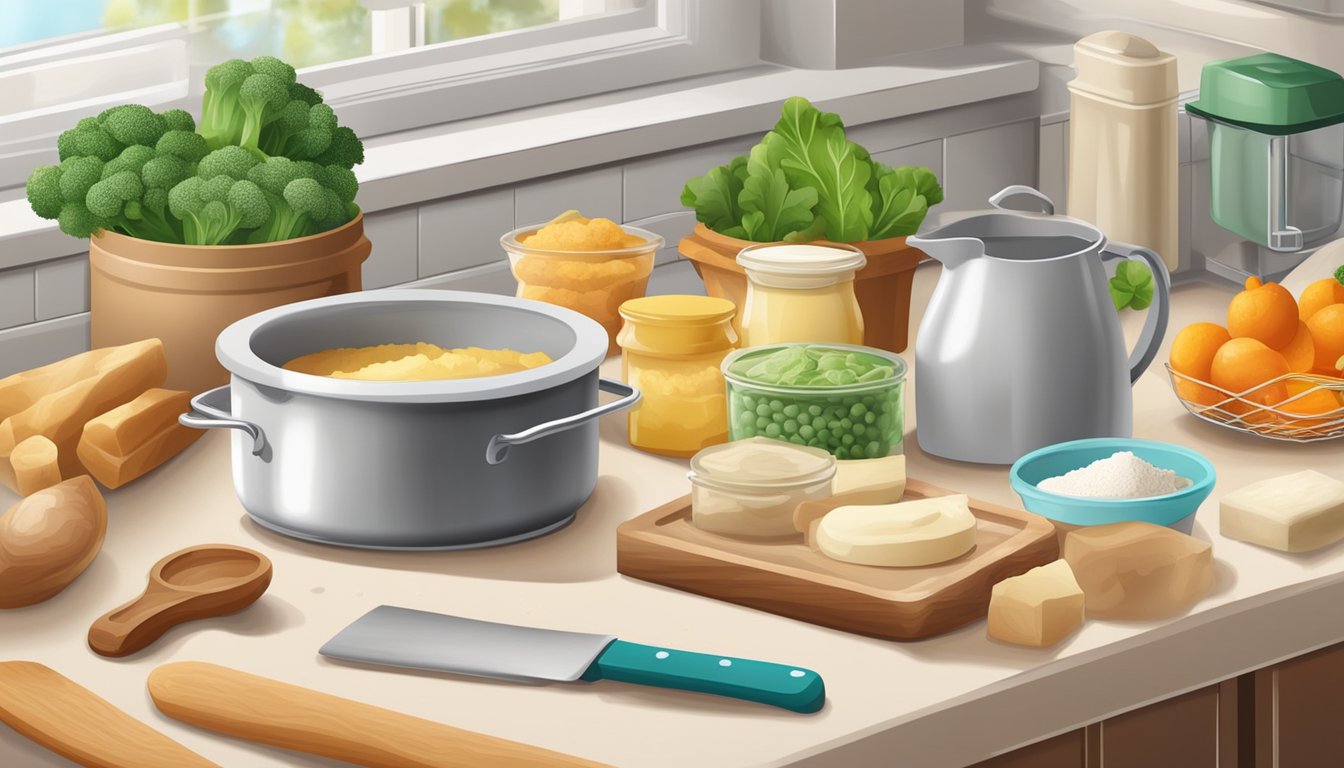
<point>751,487</point>
<point>672,348</point>
<point>801,292</point>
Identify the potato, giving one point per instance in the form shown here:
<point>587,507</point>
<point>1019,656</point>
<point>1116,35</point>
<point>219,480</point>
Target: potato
<point>56,400</point>
<point>48,539</point>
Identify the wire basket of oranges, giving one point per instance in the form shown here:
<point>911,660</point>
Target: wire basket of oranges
<point>1306,407</point>
<point>1277,368</point>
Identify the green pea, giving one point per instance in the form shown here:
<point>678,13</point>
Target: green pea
<point>869,417</point>
<point>814,410</point>
<point>840,453</point>
<point>846,424</point>
<point>790,427</point>
<point>791,410</point>
<point>773,430</point>
<point>846,439</point>
<point>796,440</point>
<point>807,432</point>
<point>762,422</point>
<point>834,426</point>
<point>762,410</point>
<point>874,449</point>
<point>859,429</point>
<point>776,405</point>
<point>815,443</point>
<point>818,423</point>
<point>824,435</point>
<point>857,410</point>
<point>777,418</point>
<point>746,419</point>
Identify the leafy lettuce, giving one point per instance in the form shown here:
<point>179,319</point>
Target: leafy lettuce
<point>806,181</point>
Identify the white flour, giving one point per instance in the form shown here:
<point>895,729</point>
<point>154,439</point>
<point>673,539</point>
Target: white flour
<point>1121,476</point>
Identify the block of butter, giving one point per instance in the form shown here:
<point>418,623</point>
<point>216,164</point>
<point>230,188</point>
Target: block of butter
<point>1038,608</point>
<point>911,533</point>
<point>869,481</point>
<point>1292,513</point>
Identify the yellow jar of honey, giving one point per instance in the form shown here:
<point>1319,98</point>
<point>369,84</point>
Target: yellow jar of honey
<point>671,350</point>
<point>801,292</point>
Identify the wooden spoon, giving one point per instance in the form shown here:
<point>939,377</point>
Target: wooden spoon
<point>194,583</point>
<point>75,723</point>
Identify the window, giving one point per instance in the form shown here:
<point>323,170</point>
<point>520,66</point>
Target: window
<point>385,65</point>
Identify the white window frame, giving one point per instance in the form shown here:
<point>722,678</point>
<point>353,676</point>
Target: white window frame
<point>402,90</point>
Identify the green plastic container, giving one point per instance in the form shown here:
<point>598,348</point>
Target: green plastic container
<point>1276,148</point>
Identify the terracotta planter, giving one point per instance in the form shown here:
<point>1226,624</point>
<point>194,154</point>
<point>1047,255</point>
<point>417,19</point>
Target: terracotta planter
<point>882,287</point>
<point>186,294</point>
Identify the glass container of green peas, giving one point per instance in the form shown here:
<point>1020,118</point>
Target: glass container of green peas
<point>846,399</point>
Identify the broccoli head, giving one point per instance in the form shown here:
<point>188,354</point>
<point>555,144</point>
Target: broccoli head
<point>241,97</point>
<point>305,198</point>
<point>219,210</point>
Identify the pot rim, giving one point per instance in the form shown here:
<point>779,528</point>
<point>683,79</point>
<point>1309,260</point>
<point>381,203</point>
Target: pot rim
<point>234,350</point>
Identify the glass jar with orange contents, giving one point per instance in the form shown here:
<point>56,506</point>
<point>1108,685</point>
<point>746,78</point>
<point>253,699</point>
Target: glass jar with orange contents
<point>672,348</point>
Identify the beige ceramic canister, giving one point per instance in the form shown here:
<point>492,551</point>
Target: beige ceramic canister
<point>1123,151</point>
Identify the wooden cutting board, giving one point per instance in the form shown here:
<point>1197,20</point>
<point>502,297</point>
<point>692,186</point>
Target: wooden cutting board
<point>790,578</point>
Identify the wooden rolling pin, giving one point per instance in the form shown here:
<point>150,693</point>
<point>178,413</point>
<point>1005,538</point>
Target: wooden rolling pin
<point>75,723</point>
<point>271,712</point>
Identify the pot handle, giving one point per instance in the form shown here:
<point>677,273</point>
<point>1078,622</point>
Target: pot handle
<point>498,449</point>
<point>211,409</point>
<point>1018,190</point>
<point>1155,325</point>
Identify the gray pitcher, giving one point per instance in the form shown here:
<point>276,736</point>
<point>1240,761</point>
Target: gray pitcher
<point>1021,345</point>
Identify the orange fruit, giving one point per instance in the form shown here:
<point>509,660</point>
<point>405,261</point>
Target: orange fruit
<point>1192,353</point>
<point>1318,296</point>
<point>1327,330</point>
<point>1310,402</point>
<point>1265,312</point>
<point>1244,367</point>
<point>1301,351</point>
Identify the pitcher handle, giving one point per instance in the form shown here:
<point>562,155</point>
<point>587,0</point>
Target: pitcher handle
<point>1020,190</point>
<point>1155,325</point>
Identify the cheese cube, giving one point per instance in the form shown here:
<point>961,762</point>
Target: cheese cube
<point>869,481</point>
<point>1292,513</point>
<point>1136,570</point>
<point>1038,608</point>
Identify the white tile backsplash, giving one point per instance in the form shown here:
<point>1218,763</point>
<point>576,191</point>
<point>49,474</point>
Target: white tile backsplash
<point>595,193</point>
<point>16,297</point>
<point>653,185</point>
<point>980,163</point>
<point>487,278</point>
<point>62,287</point>
<point>396,239</point>
<point>464,231</point>
<point>37,344</point>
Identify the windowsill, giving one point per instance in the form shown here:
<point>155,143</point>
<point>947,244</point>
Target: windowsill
<point>465,156</point>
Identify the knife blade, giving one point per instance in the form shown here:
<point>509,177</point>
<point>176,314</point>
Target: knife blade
<point>401,637</point>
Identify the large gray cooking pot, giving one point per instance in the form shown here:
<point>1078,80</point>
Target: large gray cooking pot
<point>412,465</point>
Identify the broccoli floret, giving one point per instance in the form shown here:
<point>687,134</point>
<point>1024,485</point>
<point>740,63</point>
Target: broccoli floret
<point>346,150</point>
<point>111,197</point>
<point>78,175</point>
<point>220,117</point>
<point>229,161</point>
<point>77,220</point>
<point>88,138</point>
<point>301,92</point>
<point>303,199</point>
<point>241,98</point>
<point>218,210</point>
<point>133,124</point>
<point>44,191</point>
<point>185,145</point>
<point>47,194</point>
<point>178,120</point>
<point>132,158</point>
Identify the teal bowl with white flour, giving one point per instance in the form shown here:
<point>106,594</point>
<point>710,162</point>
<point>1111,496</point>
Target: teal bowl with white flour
<point>1175,509</point>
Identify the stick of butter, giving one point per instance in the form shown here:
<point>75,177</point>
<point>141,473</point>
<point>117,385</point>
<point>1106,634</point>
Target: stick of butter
<point>1292,513</point>
<point>869,481</point>
<point>909,533</point>
<point>1038,608</point>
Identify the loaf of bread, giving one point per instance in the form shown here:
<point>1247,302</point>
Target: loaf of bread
<point>131,439</point>
<point>48,539</point>
<point>56,400</point>
<point>32,466</point>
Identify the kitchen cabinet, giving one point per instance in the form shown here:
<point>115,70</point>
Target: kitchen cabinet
<point>1194,730</point>
<point>1297,708</point>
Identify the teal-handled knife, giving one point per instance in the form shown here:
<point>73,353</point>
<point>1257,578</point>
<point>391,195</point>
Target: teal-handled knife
<point>401,637</point>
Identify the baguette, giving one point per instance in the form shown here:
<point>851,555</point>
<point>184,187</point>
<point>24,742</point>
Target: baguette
<point>32,466</point>
<point>132,439</point>
<point>56,400</point>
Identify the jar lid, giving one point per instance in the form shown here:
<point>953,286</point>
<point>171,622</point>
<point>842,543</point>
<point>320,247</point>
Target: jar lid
<point>801,259</point>
<point>760,462</point>
<point>677,309</point>
<point>1124,67</point>
<point>1271,94</point>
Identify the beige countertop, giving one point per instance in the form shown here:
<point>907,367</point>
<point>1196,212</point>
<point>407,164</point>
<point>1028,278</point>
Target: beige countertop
<point>945,701</point>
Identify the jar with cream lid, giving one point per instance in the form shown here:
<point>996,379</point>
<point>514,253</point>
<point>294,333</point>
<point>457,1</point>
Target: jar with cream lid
<point>751,487</point>
<point>801,292</point>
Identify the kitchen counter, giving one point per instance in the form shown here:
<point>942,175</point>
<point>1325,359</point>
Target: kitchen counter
<point>945,701</point>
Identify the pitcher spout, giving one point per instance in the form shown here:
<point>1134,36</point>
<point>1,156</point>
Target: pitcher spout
<point>951,252</point>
